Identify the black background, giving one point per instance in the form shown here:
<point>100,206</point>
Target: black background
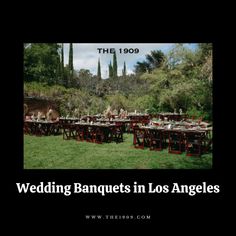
<point>73,208</point>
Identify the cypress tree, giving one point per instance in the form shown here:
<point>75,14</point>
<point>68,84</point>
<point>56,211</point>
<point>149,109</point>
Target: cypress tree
<point>99,70</point>
<point>71,69</point>
<point>124,70</point>
<point>58,77</point>
<point>114,65</point>
<point>63,78</point>
<point>71,57</point>
<point>62,58</point>
<point>110,70</point>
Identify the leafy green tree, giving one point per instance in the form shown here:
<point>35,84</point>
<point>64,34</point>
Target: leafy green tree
<point>142,67</point>
<point>206,72</point>
<point>175,56</point>
<point>117,101</point>
<point>103,88</point>
<point>205,50</point>
<point>41,62</point>
<point>205,61</point>
<point>184,60</point>
<point>98,105</point>
<point>86,81</point>
<point>84,73</point>
<point>153,60</point>
<point>144,103</point>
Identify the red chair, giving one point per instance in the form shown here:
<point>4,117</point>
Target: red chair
<point>193,143</point>
<point>207,142</point>
<point>155,138</point>
<point>132,126</point>
<point>98,135</point>
<point>139,138</point>
<point>69,131</point>
<point>117,133</point>
<point>80,133</point>
<point>90,134</point>
<point>26,128</point>
<point>175,142</point>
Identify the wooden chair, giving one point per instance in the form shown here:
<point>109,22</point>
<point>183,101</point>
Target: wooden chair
<point>98,135</point>
<point>132,126</point>
<point>207,142</point>
<point>175,142</point>
<point>26,128</point>
<point>80,133</point>
<point>139,138</point>
<point>56,128</point>
<point>165,139</point>
<point>155,138</point>
<point>194,143</point>
<point>37,129</point>
<point>69,131</point>
<point>117,134</point>
<point>90,134</point>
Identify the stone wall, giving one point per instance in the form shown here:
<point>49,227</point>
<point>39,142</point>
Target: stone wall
<point>35,105</point>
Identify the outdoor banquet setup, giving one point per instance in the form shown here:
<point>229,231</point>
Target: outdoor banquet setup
<point>175,132</point>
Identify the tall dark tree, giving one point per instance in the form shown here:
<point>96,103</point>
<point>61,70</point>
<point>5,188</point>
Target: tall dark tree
<point>58,79</point>
<point>71,57</point>
<point>71,67</point>
<point>110,70</point>
<point>62,57</point>
<point>63,77</point>
<point>114,65</point>
<point>124,70</point>
<point>99,70</point>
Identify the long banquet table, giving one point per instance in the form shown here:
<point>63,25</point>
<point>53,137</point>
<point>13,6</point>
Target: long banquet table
<point>93,132</point>
<point>172,116</point>
<point>42,127</point>
<point>204,135</point>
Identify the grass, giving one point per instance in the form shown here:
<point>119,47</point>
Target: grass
<point>52,152</point>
